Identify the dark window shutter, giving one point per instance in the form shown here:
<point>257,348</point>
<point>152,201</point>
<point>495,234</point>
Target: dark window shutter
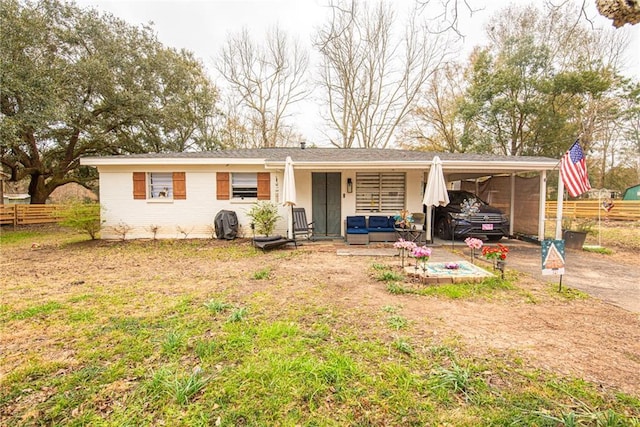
<point>264,186</point>
<point>222,185</point>
<point>179,186</point>
<point>139,185</point>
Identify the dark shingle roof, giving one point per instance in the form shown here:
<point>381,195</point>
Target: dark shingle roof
<point>331,155</point>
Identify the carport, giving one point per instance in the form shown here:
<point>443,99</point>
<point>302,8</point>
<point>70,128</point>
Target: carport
<point>511,184</point>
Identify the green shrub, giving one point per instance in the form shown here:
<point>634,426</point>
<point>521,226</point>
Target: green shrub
<point>83,217</point>
<point>264,216</point>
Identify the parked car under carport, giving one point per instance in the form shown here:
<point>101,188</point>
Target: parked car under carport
<point>453,221</point>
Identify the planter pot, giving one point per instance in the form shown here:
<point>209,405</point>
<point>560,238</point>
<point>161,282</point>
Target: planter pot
<point>574,239</point>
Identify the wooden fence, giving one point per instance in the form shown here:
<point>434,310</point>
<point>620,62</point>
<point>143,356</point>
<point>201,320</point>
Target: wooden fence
<point>29,214</point>
<point>623,210</point>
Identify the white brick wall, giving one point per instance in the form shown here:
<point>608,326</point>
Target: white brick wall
<point>195,215</point>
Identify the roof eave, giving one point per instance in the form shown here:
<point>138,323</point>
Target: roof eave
<point>154,161</point>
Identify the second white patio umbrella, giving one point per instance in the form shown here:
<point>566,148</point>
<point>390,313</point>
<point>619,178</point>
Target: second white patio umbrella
<point>288,197</point>
<point>435,193</point>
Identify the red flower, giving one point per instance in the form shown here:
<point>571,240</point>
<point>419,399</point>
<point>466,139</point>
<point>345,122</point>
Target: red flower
<point>495,252</point>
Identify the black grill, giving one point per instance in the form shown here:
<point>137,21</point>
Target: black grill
<point>487,218</point>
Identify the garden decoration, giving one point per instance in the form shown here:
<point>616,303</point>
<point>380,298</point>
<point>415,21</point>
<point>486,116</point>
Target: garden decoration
<point>404,246</point>
<point>404,219</point>
<point>421,254</point>
<point>468,207</point>
<point>498,254</point>
<point>473,244</point>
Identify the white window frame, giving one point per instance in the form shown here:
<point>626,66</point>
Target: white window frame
<point>378,192</point>
<point>244,185</point>
<point>160,185</point>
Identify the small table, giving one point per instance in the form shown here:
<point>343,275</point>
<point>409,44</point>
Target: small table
<point>410,235</point>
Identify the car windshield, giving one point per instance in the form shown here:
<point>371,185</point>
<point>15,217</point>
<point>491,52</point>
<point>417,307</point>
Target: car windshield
<point>457,197</point>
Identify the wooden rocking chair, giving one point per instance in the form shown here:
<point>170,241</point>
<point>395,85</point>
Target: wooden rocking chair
<point>300,225</point>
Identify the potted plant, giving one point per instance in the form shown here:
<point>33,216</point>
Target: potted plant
<point>473,244</point>
<point>264,216</point>
<point>498,254</point>
<point>404,219</point>
<point>574,232</point>
<point>421,254</point>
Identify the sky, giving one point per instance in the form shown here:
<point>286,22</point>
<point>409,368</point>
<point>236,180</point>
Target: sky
<point>202,26</point>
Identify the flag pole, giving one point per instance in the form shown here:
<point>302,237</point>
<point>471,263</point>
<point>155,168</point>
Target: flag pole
<point>560,197</point>
<point>559,207</point>
<point>599,217</point>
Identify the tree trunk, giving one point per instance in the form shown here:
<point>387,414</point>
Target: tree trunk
<point>38,190</point>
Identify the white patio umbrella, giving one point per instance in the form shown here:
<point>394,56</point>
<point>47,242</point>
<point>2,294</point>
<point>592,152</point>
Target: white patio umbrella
<point>288,195</point>
<point>435,193</point>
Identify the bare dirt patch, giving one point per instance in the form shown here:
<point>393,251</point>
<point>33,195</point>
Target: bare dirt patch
<point>582,338</point>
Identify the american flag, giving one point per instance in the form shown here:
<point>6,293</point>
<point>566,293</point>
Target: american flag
<point>573,171</point>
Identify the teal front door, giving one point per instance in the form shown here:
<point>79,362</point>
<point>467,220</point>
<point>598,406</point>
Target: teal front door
<point>326,202</point>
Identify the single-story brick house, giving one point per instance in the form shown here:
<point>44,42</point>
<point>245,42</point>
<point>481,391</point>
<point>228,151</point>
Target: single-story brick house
<point>182,192</point>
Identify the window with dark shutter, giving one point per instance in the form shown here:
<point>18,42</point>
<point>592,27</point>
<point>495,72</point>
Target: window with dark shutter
<point>244,185</point>
<point>160,185</point>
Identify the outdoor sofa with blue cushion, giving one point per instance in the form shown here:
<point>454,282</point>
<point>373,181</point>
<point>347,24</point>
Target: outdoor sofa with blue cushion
<point>381,228</point>
<point>356,230</point>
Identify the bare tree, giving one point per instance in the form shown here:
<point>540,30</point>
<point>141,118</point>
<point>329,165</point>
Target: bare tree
<point>436,124</point>
<point>620,11</point>
<point>267,80</point>
<point>371,81</point>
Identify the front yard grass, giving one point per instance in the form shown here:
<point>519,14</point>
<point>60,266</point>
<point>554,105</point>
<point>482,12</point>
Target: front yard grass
<point>186,345</point>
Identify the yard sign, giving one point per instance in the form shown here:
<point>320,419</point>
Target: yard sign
<point>552,257</point>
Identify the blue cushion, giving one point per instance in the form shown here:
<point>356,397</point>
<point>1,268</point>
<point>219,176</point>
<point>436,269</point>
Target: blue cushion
<point>392,222</point>
<point>380,224</point>
<point>357,231</point>
<point>356,222</point>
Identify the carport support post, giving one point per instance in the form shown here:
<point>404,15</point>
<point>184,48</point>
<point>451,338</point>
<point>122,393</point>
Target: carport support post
<point>542,197</point>
<point>512,207</point>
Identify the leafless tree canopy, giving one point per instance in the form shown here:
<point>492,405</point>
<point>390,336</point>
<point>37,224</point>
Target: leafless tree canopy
<point>434,123</point>
<point>370,78</point>
<point>267,79</point>
<point>621,12</point>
